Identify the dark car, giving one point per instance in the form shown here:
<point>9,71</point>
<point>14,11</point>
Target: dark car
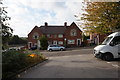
<point>33,48</point>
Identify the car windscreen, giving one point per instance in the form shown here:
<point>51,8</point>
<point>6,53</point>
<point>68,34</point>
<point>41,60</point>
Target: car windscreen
<point>107,40</point>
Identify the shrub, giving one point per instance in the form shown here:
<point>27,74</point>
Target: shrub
<point>43,42</point>
<point>13,61</point>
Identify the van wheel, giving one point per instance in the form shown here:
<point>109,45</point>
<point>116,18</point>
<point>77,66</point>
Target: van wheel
<point>107,57</point>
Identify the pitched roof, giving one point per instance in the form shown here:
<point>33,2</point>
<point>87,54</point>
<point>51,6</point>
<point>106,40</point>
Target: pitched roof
<point>53,29</point>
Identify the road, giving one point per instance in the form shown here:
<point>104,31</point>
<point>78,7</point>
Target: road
<point>78,63</point>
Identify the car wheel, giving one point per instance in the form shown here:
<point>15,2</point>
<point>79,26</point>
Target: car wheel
<point>61,49</point>
<point>107,57</point>
<point>50,50</point>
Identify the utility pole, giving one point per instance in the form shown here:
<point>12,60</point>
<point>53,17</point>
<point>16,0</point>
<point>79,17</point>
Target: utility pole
<point>0,41</point>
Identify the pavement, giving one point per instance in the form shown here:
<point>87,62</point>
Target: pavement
<point>78,63</point>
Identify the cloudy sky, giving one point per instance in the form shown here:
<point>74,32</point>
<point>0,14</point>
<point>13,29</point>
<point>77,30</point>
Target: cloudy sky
<point>25,14</point>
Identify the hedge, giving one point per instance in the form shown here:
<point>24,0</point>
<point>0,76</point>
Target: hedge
<point>13,61</point>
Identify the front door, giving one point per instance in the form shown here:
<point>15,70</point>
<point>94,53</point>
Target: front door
<point>29,45</point>
<point>78,42</point>
<point>55,42</point>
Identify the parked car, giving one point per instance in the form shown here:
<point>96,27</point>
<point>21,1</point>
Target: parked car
<point>15,48</point>
<point>110,48</point>
<point>33,48</point>
<point>55,47</point>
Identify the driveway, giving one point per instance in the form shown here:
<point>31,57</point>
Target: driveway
<point>78,63</point>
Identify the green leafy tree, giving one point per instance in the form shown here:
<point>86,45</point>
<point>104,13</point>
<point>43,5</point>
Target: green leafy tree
<point>43,42</point>
<point>102,17</point>
<point>16,40</point>
<point>5,30</point>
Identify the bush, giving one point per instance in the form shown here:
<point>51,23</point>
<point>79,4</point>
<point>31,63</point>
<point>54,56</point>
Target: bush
<point>13,61</point>
<point>43,42</point>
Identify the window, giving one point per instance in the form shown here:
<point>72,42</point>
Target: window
<point>35,36</point>
<point>60,35</point>
<point>107,40</point>
<point>73,32</point>
<point>60,42</point>
<point>71,41</point>
<point>55,36</point>
<point>48,35</point>
<point>116,40</point>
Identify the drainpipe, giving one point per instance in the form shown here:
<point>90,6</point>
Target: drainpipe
<point>65,42</point>
<point>98,37</point>
<point>38,44</point>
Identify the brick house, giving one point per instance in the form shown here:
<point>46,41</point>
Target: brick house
<point>62,35</point>
<point>97,38</point>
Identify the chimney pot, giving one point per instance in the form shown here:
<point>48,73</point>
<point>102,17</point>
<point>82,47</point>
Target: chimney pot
<point>65,24</point>
<point>46,24</point>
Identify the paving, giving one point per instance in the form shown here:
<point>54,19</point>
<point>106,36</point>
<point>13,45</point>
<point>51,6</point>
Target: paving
<point>73,64</point>
<point>68,51</point>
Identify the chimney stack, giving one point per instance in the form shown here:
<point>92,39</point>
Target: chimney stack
<point>65,24</point>
<point>46,24</point>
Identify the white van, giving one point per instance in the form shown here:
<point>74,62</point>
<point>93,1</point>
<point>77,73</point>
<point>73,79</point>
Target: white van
<point>110,48</point>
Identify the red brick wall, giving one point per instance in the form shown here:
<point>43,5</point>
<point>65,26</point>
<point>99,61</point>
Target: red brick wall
<point>52,38</point>
<point>30,35</point>
<point>101,37</point>
<point>69,37</point>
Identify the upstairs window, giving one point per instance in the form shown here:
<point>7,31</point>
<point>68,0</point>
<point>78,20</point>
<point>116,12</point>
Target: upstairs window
<point>60,36</point>
<point>35,36</point>
<point>55,36</point>
<point>73,32</point>
<point>48,35</point>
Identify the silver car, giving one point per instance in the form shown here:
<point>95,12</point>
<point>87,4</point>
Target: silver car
<point>55,47</point>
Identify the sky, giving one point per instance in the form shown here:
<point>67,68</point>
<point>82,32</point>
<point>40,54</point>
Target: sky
<point>25,14</point>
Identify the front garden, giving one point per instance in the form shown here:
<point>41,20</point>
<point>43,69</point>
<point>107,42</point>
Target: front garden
<point>14,62</point>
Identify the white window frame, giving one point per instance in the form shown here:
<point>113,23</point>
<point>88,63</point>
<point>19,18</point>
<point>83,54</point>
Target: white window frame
<point>60,42</point>
<point>73,32</point>
<point>35,34</point>
<point>60,35</point>
<point>70,42</point>
<point>77,42</point>
<point>49,35</point>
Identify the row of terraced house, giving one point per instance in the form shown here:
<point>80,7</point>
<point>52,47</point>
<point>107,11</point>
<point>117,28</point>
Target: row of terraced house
<point>59,35</point>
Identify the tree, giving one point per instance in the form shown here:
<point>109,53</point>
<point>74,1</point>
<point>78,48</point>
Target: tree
<point>102,17</point>
<point>6,31</point>
<point>16,40</point>
<point>43,42</point>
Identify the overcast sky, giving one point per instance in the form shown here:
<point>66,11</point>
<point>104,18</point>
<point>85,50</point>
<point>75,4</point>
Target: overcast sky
<point>25,14</point>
